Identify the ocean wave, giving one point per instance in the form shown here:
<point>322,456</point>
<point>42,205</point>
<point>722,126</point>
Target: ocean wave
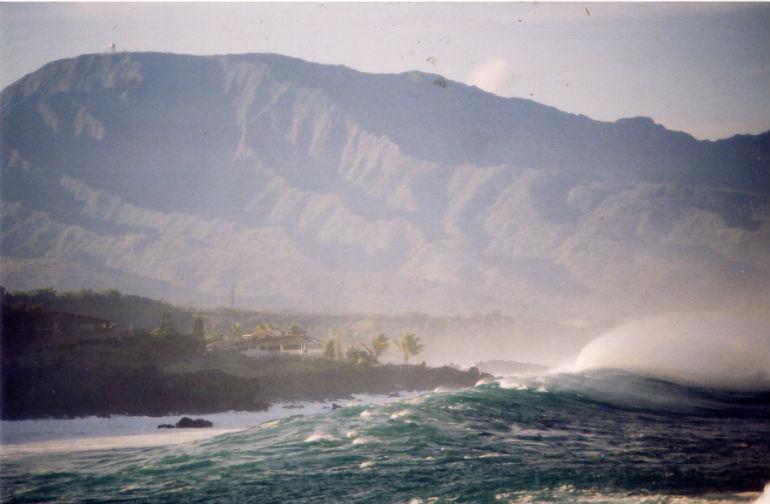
<point>597,436</point>
<point>728,349</point>
<point>570,494</point>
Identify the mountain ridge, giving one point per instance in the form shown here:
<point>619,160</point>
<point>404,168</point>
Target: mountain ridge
<point>642,118</point>
<point>320,187</point>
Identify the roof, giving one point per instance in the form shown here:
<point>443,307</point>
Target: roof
<point>286,339</point>
<point>264,340</point>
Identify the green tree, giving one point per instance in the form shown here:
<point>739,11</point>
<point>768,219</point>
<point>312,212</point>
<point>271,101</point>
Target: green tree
<point>199,329</point>
<point>296,328</point>
<point>339,350</point>
<point>333,347</point>
<point>358,356</point>
<point>327,348</point>
<point>409,345</point>
<point>378,346</point>
<point>166,327</point>
<point>44,296</point>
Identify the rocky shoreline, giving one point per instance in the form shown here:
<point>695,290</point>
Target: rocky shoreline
<point>70,391</point>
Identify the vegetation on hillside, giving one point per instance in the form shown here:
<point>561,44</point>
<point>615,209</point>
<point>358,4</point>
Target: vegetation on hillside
<point>53,370</point>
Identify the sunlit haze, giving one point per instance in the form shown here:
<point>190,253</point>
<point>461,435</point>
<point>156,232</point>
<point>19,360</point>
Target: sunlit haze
<point>385,252</point>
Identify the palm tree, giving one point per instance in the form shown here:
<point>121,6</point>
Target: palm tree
<point>339,350</point>
<point>379,345</point>
<point>327,348</point>
<point>332,347</point>
<point>409,344</point>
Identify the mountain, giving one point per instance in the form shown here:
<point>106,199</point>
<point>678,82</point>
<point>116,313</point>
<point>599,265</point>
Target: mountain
<point>318,187</point>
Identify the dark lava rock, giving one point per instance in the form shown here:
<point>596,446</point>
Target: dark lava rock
<point>165,426</point>
<point>189,423</point>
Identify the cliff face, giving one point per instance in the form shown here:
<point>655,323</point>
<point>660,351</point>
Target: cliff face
<point>317,187</point>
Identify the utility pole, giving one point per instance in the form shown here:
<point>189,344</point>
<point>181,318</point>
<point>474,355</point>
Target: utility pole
<point>232,297</point>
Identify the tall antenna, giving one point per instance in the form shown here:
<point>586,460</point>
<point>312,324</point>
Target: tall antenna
<point>232,297</point>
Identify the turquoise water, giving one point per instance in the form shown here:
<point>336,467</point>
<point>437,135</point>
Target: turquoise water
<point>594,437</point>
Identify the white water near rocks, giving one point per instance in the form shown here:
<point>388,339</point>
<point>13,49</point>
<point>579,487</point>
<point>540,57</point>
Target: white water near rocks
<point>119,431</point>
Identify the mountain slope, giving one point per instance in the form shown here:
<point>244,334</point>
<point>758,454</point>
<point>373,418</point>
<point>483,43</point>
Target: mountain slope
<point>319,187</point>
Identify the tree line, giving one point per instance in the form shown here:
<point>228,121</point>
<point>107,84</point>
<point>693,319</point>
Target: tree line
<point>369,353</point>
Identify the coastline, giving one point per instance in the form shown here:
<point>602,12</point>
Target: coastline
<point>77,392</point>
<point>51,435</point>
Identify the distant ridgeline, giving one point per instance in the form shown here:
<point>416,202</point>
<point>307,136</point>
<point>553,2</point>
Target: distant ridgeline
<point>113,311</point>
<point>124,311</point>
<point>319,188</point>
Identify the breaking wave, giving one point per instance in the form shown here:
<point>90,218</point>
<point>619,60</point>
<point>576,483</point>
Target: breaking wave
<point>595,436</point>
<point>726,349</point>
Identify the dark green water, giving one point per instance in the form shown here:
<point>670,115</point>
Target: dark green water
<point>597,437</point>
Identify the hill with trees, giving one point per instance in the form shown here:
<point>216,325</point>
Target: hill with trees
<point>61,364</point>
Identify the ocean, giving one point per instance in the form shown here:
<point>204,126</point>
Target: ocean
<point>600,436</point>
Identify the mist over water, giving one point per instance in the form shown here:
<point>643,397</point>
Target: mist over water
<point>719,349</point>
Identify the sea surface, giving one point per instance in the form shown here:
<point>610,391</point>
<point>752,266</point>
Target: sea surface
<point>599,437</point>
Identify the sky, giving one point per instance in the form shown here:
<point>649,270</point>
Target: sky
<point>694,67</point>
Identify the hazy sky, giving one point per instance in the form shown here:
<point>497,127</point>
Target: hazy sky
<point>701,68</point>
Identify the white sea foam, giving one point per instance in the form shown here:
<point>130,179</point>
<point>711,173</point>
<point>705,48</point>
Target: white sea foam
<point>485,455</point>
<point>518,430</point>
<point>400,414</point>
<point>120,431</point>
<point>508,383</point>
<point>159,438</point>
<point>319,436</point>
<point>765,497</point>
<point>366,464</point>
<point>568,494</point>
